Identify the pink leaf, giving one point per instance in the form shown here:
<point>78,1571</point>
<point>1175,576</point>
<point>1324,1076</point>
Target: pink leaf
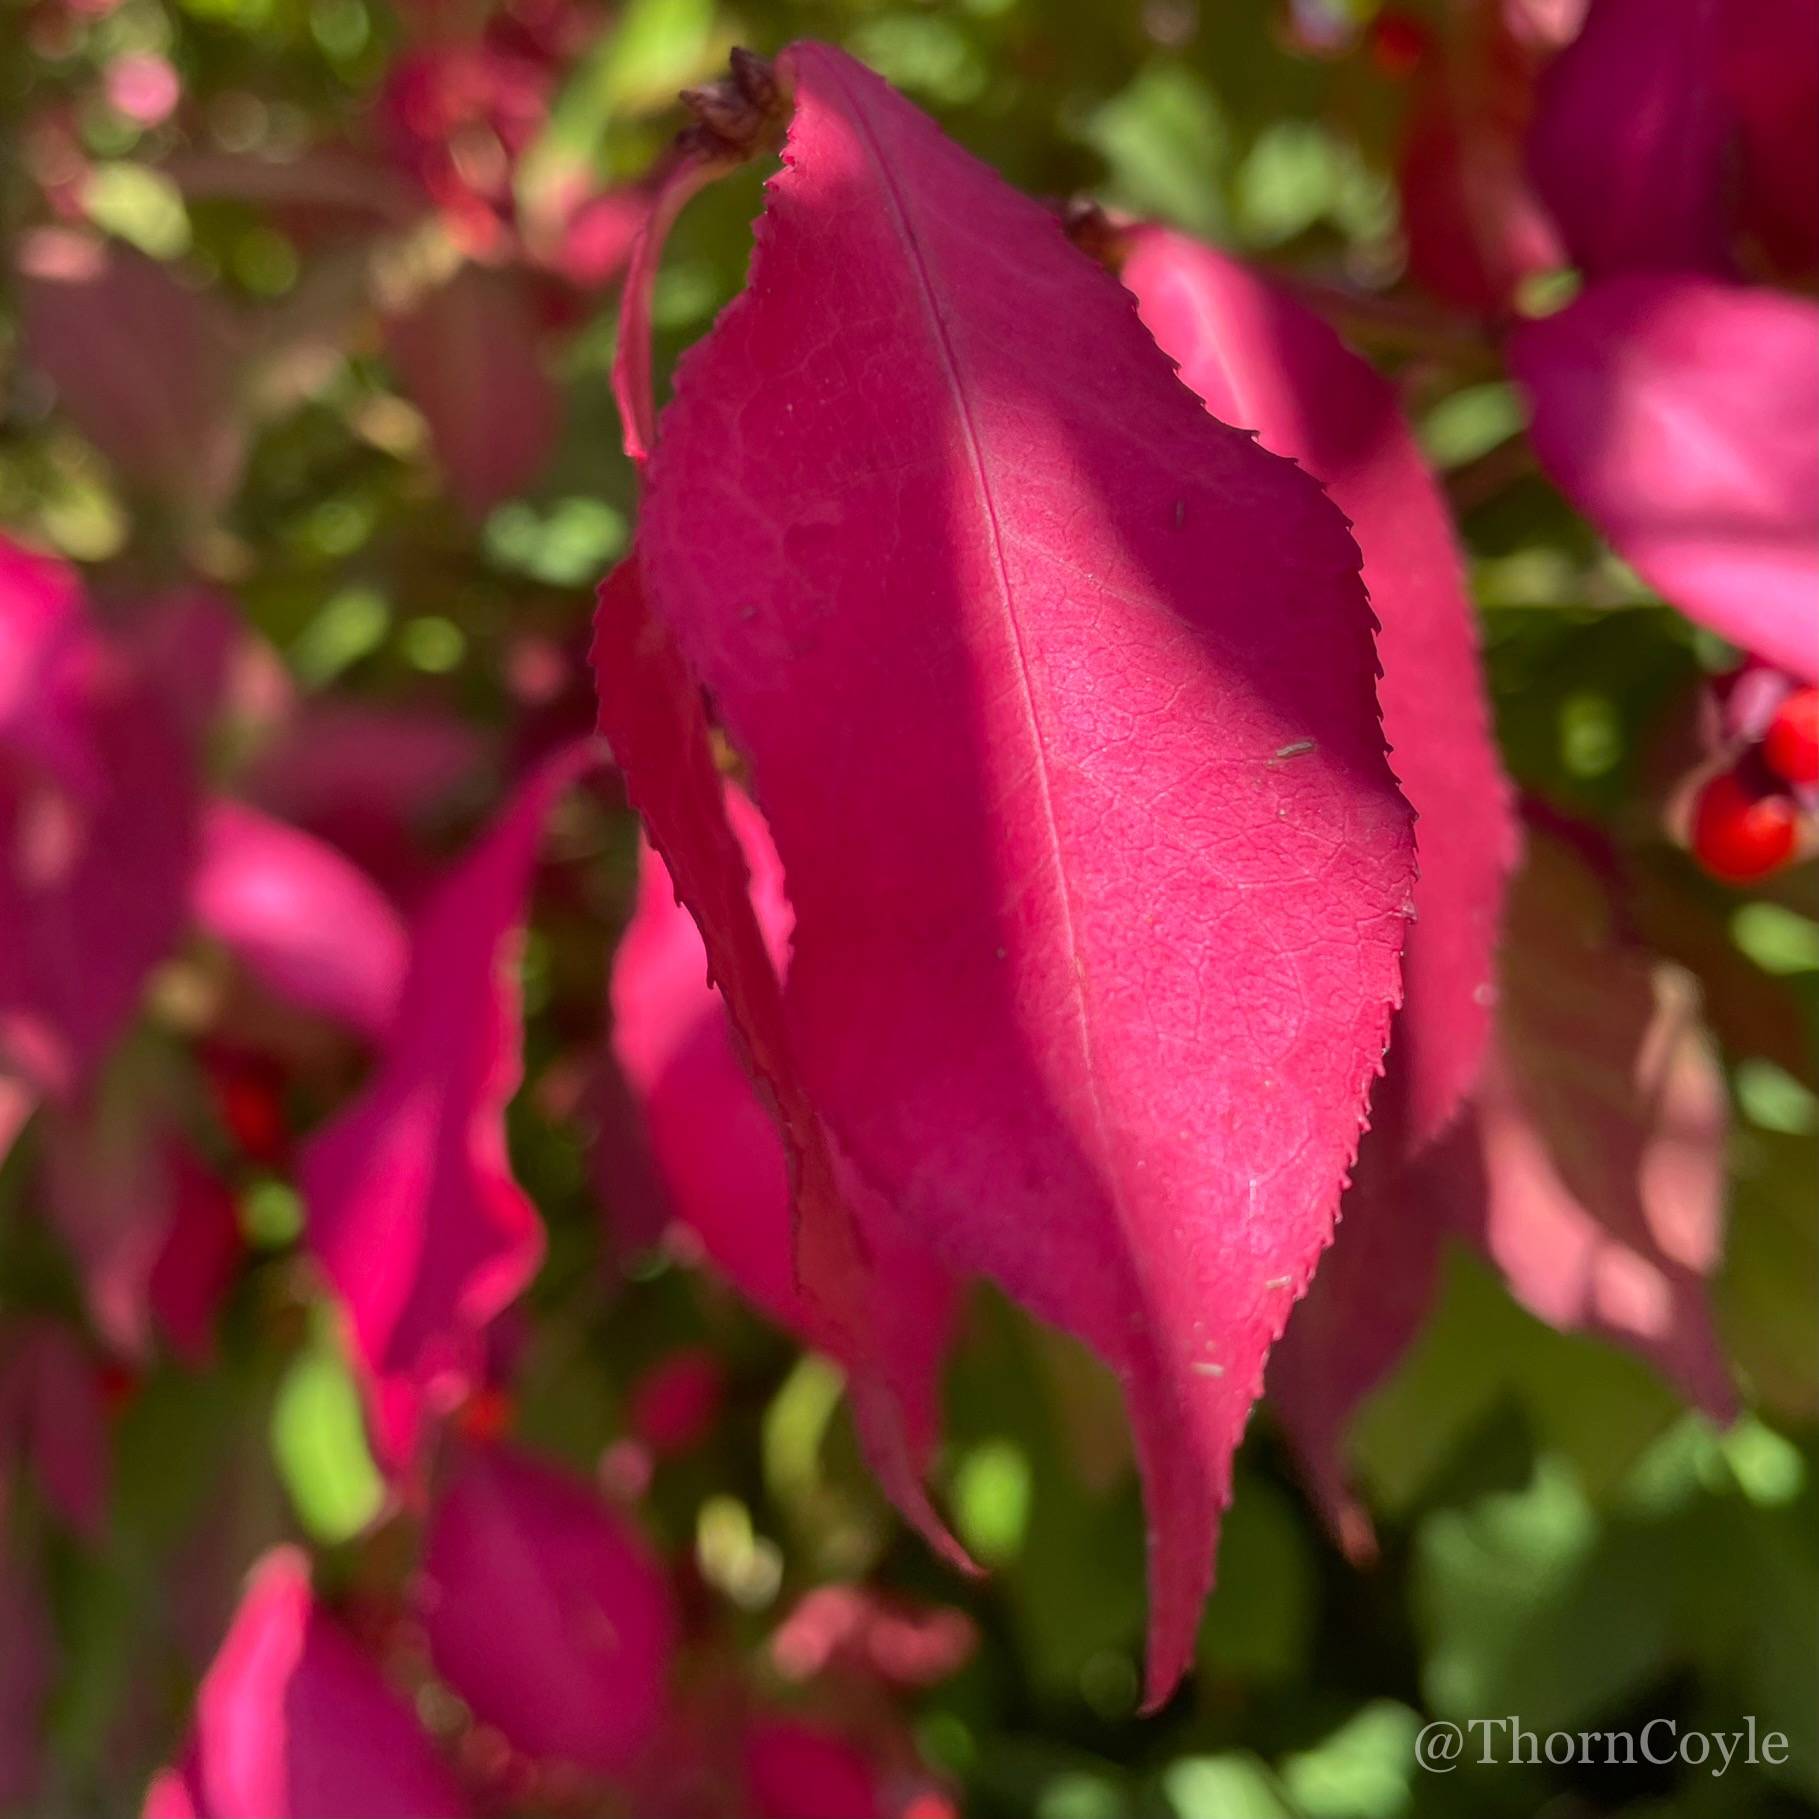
<point>1682,417</point>
<point>719,1151</point>
<point>293,1721</point>
<point>96,816</point>
<point>546,1613</point>
<point>307,923</point>
<point>1262,362</point>
<point>412,1208</point>
<point>679,181</point>
<point>93,313</point>
<point>51,1412</point>
<point>1629,140</point>
<point>467,355</point>
<point>1089,977</point>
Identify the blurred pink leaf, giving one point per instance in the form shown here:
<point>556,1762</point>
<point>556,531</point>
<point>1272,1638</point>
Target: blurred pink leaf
<point>546,1612</point>
<point>457,115</point>
<point>1629,140</point>
<point>200,1257</point>
<point>306,922</point>
<point>96,818</point>
<point>468,357</point>
<point>1604,1120</point>
<point>1474,225</point>
<point>44,619</point>
<point>199,655</point>
<point>1261,361</point>
<point>850,1629</point>
<point>17,1103</point>
<point>52,1415</point>
<point>967,573</point>
<point>672,1406</point>
<point>153,1233</point>
<point>1771,78</point>
<point>173,1794</point>
<point>1668,125</point>
<point>316,192</point>
<point>293,1721</point>
<point>412,1208</point>
<point>719,1150</point>
<point>371,780</point>
<point>796,1770</point>
<point>145,366</point>
<point>596,240</point>
<point>143,87</point>
<point>1682,417</point>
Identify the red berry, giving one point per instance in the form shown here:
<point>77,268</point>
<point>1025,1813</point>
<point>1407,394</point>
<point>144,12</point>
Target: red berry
<point>1738,836</point>
<point>1790,747</point>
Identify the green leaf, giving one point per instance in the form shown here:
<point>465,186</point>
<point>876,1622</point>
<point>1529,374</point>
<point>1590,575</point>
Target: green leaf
<point>1233,1786</point>
<point>1768,1293</point>
<point>1167,149</point>
<point>1362,1771</point>
<point>1258,1621</point>
<point>1778,939</point>
<point>992,1500</point>
<point>1468,423</point>
<point>1597,1406</point>
<point>140,206</point>
<point>658,47</point>
<point>318,1437</point>
<point>1524,1610</point>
